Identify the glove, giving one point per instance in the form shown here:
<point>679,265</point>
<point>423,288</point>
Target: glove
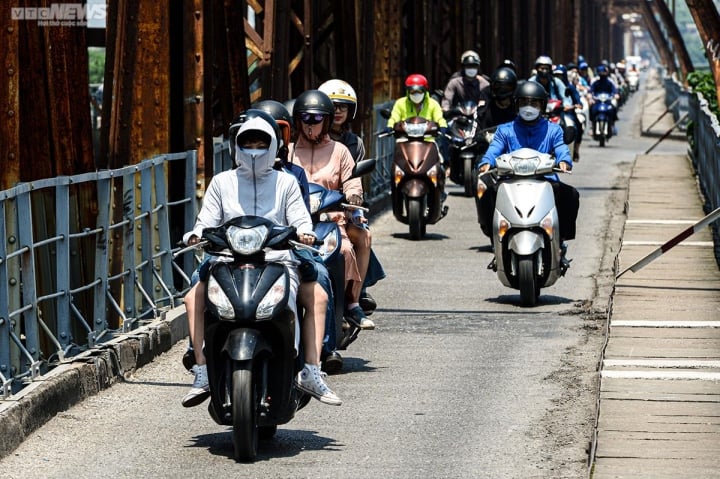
<point>355,200</point>
<point>387,129</point>
<point>443,129</point>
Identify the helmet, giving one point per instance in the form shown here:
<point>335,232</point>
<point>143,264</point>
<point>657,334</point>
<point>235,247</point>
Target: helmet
<point>314,101</point>
<point>561,72</point>
<point>543,60</point>
<point>583,65</point>
<point>470,57</point>
<point>281,116</point>
<point>245,116</point>
<point>503,83</point>
<point>415,81</point>
<point>531,89</point>
<point>341,92</point>
<point>507,63</point>
<point>601,69</point>
<point>290,104</point>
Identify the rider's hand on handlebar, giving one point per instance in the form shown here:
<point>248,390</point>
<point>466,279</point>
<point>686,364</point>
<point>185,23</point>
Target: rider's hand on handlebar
<point>306,239</point>
<point>355,200</point>
<point>193,240</point>
<point>483,168</point>
<point>564,166</point>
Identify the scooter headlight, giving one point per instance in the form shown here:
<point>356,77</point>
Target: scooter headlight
<point>398,176</point>
<point>315,200</point>
<point>481,188</point>
<point>548,225</point>
<point>525,166</point>
<point>433,174</point>
<point>219,299</point>
<point>331,241</point>
<point>246,241</point>
<point>275,295</point>
<point>503,226</point>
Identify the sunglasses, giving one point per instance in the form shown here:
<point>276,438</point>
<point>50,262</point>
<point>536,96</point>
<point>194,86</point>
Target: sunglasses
<point>311,118</point>
<point>416,90</point>
<point>341,106</point>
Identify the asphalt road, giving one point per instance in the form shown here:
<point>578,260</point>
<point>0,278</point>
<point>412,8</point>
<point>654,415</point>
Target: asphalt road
<point>457,380</point>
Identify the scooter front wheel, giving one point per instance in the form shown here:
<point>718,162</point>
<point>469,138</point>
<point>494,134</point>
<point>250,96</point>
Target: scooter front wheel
<point>244,415</point>
<point>529,291</point>
<point>469,179</point>
<point>415,218</point>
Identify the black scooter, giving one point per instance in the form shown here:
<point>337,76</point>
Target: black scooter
<point>250,331</point>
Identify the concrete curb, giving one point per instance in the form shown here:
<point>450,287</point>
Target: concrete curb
<point>86,375</point>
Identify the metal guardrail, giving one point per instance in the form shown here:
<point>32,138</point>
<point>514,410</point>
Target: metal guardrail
<point>705,153</point>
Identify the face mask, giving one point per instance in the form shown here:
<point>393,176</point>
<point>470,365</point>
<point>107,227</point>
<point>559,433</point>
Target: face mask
<point>471,72</point>
<point>417,97</point>
<point>253,152</point>
<point>529,113</point>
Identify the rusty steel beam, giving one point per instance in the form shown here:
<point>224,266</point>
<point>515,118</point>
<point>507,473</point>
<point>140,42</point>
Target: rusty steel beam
<point>681,53</point>
<point>658,38</point>
<point>10,103</point>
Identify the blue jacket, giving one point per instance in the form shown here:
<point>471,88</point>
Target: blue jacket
<point>541,135</point>
<point>603,85</point>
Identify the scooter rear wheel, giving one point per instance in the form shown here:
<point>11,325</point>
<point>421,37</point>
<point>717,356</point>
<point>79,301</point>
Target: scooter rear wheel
<point>244,415</point>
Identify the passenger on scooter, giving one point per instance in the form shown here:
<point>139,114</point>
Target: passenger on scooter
<point>603,84</point>
<point>531,130</point>
<point>344,99</point>
<point>254,187</point>
<point>330,359</point>
<point>330,164</point>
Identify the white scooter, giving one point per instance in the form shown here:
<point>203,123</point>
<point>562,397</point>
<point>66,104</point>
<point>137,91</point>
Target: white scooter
<point>526,234</point>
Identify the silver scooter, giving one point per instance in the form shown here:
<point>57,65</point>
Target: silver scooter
<point>526,234</point>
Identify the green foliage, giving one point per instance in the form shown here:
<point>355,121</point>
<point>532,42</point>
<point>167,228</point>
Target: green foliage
<point>96,64</point>
<point>703,82</point>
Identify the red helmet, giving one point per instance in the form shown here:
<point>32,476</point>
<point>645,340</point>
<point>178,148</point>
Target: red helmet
<point>416,80</point>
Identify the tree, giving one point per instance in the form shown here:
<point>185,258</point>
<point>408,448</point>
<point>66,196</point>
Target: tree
<point>708,22</point>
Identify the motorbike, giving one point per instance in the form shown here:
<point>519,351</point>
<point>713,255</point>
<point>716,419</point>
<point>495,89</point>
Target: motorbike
<point>633,79</point>
<point>418,185</point>
<point>555,113</point>
<point>526,235</point>
<point>467,145</point>
<point>250,331</point>
<point>604,113</point>
<point>324,202</point>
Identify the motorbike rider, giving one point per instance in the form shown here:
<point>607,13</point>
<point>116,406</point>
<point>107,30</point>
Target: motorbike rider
<point>417,102</point>
<point>467,84</point>
<point>344,99</point>
<point>561,72</point>
<point>254,187</point>
<point>554,87</point>
<point>330,164</point>
<point>603,84</point>
<point>503,83</point>
<point>531,130</point>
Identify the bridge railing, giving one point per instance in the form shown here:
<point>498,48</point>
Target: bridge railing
<point>705,153</point>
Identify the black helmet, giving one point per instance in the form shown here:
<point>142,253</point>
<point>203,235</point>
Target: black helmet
<point>503,83</point>
<point>245,116</point>
<point>507,63</point>
<point>317,102</point>
<point>281,116</point>
<point>470,57</point>
<point>531,89</point>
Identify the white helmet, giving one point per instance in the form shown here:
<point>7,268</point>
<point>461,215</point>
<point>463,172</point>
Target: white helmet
<point>340,91</point>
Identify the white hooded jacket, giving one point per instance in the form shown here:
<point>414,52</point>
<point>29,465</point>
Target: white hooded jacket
<point>253,188</point>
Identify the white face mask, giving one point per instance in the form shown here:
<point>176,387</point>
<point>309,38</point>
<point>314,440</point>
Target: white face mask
<point>471,72</point>
<point>529,113</point>
<point>417,97</point>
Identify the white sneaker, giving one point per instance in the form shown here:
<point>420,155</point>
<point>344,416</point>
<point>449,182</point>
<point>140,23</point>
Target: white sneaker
<point>310,380</point>
<point>200,390</point>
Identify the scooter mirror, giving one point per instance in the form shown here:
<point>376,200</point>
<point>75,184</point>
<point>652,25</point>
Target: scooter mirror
<point>364,167</point>
<point>385,113</point>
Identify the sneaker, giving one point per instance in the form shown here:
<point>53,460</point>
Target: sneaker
<point>367,303</point>
<point>332,363</point>
<point>357,317</point>
<point>200,390</point>
<point>310,380</point>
